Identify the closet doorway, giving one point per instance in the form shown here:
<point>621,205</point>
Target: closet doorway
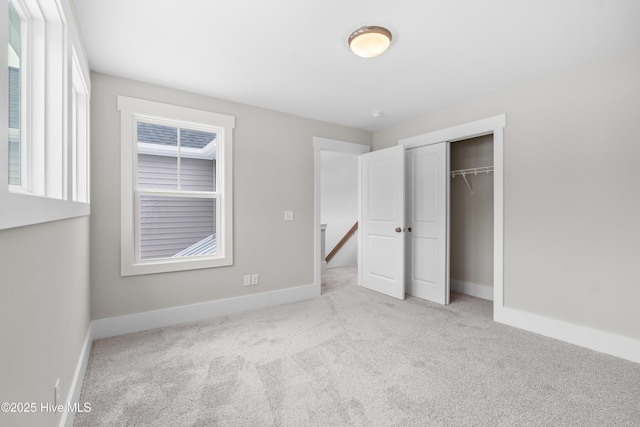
<point>471,217</point>
<point>449,219</point>
<point>493,128</point>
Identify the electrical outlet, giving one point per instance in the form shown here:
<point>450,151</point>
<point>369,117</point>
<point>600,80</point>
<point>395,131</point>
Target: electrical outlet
<point>254,279</point>
<point>56,392</point>
<point>288,215</point>
<point>247,280</point>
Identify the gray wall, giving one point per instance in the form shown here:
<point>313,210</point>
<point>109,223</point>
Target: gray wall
<point>273,172</point>
<point>44,313</point>
<point>571,205</point>
<point>471,226</point>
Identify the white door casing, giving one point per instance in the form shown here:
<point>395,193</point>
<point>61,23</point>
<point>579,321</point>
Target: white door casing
<point>427,185</point>
<point>382,221</point>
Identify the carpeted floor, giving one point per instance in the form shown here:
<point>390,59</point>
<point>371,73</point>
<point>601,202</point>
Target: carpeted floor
<point>355,358</point>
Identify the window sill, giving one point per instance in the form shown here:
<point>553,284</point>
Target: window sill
<point>167,265</point>
<point>20,209</point>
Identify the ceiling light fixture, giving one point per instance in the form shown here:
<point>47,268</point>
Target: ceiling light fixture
<point>369,42</point>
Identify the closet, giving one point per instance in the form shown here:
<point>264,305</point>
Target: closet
<point>471,217</point>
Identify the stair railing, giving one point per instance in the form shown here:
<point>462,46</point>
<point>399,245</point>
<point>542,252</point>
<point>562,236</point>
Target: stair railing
<point>342,242</point>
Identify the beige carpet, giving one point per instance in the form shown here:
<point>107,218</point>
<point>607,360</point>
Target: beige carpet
<point>355,358</point>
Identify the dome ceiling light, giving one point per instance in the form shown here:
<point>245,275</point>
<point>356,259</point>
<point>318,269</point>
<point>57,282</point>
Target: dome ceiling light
<point>369,42</point>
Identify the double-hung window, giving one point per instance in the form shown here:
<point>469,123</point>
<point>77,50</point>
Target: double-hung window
<point>176,172</point>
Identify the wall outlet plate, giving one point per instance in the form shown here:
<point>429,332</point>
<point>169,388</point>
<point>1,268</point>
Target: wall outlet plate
<point>247,280</point>
<point>254,279</point>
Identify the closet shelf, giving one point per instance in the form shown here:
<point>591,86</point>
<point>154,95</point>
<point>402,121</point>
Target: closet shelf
<point>471,171</point>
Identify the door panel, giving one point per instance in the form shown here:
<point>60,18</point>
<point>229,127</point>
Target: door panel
<point>425,250</point>
<point>381,213</point>
<point>428,217</point>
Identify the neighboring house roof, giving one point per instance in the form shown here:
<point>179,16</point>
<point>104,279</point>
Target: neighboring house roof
<point>206,246</point>
<point>168,135</point>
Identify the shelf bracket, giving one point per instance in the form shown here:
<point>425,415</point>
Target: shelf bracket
<point>464,176</point>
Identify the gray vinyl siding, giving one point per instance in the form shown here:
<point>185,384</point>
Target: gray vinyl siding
<point>14,98</point>
<point>14,126</point>
<point>161,173</point>
<point>169,225</point>
<point>14,159</point>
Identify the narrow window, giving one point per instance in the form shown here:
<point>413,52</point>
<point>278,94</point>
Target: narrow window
<point>79,134</point>
<point>16,149</point>
<point>47,96</point>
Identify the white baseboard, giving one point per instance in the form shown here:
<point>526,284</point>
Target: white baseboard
<point>474,289</point>
<point>603,342</point>
<point>78,379</point>
<point>113,326</point>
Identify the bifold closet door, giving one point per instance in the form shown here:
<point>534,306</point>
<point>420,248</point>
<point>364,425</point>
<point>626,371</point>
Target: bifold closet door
<point>427,222</point>
<point>382,221</point>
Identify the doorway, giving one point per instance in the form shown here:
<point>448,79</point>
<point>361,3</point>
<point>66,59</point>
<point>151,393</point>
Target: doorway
<point>488,126</point>
<point>471,217</point>
<point>325,145</point>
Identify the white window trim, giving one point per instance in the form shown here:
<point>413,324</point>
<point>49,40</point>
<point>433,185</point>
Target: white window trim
<point>27,206</point>
<point>132,109</point>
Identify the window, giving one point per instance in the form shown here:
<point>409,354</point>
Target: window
<point>15,91</point>
<point>46,108</point>
<point>79,163</point>
<point>176,172</point>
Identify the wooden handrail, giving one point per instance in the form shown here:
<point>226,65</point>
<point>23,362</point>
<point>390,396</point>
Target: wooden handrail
<point>341,243</point>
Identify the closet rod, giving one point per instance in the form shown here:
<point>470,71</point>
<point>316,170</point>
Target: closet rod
<point>471,171</point>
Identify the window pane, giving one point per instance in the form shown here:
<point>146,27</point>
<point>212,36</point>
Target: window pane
<point>14,137</point>
<point>197,160</point>
<point>197,174</point>
<point>157,157</point>
<point>177,227</point>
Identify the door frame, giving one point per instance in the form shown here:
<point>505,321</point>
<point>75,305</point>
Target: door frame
<point>490,125</point>
<point>319,145</point>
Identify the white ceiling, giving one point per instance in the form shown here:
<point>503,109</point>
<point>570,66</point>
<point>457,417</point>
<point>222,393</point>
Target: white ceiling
<point>292,55</point>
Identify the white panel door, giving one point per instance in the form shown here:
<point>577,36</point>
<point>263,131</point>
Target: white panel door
<point>382,221</point>
<point>427,222</point>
